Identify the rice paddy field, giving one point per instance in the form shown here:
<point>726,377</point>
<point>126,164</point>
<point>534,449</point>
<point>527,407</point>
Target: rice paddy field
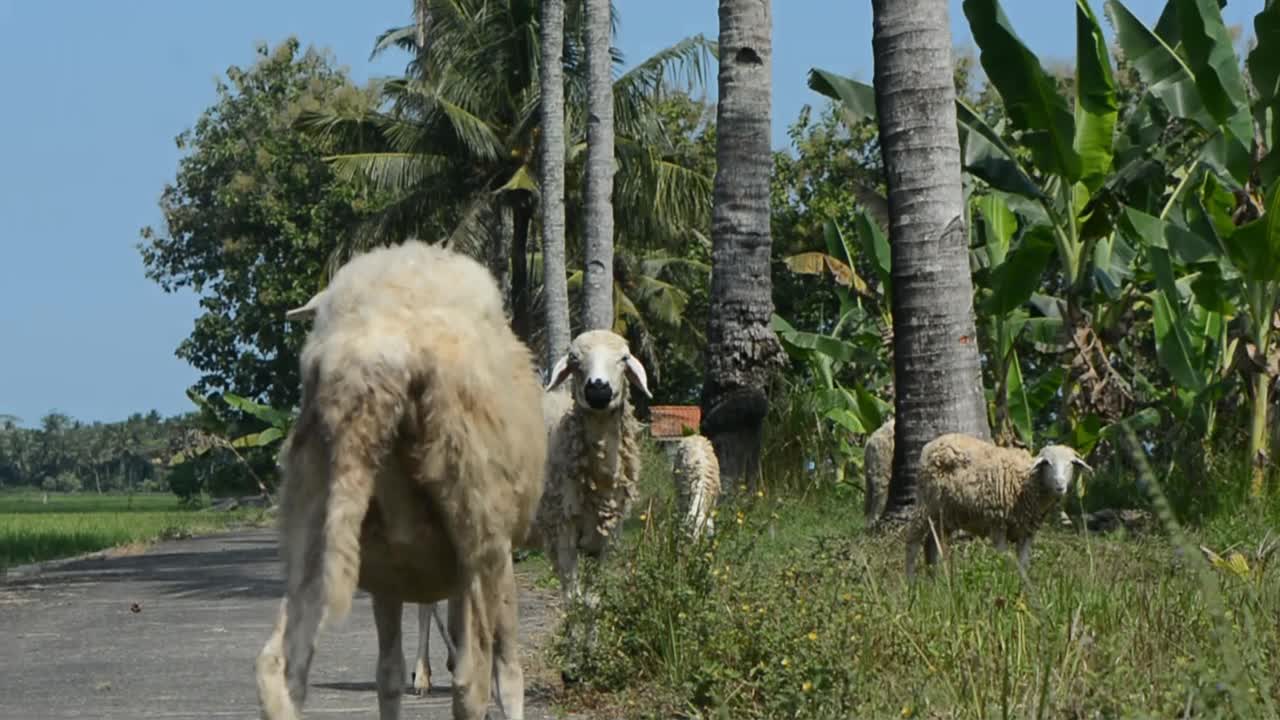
<point>37,526</point>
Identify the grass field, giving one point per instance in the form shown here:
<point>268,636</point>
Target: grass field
<point>74,523</point>
<point>794,611</point>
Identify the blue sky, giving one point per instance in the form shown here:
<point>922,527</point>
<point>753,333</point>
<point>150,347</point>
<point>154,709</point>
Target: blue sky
<point>96,91</point>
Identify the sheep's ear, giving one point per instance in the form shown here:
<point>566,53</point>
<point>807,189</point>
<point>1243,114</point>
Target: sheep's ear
<point>636,372</point>
<point>306,311</point>
<point>559,372</point>
<point>1082,464</point>
<point>1039,462</point>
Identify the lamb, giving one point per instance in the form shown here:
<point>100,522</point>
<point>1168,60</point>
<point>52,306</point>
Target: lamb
<point>877,468</point>
<point>413,466</point>
<point>1001,493</point>
<point>592,468</point>
<point>696,473</point>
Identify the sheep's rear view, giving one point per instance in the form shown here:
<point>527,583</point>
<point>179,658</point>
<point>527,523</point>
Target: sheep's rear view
<point>415,463</point>
<point>696,473</point>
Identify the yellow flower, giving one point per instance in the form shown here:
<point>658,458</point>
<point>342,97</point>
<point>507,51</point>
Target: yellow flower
<point>907,711</point>
<point>643,517</point>
<point>759,493</point>
<point>807,686</point>
<point>786,662</point>
<point>746,608</point>
<point>813,636</point>
<point>847,597</point>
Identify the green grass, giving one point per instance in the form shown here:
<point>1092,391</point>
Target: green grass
<point>795,612</point>
<point>72,524</point>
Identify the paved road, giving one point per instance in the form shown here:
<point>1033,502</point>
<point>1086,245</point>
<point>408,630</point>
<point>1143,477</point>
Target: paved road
<point>71,646</point>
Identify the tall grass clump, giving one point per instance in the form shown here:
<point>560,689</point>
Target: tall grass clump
<point>792,612</point>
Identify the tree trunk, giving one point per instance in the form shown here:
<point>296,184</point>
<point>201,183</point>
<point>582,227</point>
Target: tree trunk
<point>422,22</point>
<point>502,238</point>
<point>555,287</point>
<point>597,297</point>
<point>522,216</point>
<point>937,375</point>
<point>742,350</point>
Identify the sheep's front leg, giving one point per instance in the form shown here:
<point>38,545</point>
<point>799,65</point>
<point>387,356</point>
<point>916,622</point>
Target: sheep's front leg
<point>422,663</point>
<point>508,674</point>
<point>564,560</point>
<point>1024,553</point>
<point>999,539</point>
<point>390,672</point>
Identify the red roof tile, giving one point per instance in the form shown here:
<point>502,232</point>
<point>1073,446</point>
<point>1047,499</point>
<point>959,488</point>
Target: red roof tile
<point>669,421</point>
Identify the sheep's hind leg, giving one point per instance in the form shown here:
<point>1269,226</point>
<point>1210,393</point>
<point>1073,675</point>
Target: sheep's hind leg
<point>273,692</point>
<point>470,625</point>
<point>303,608</point>
<point>422,663</point>
<point>390,673</point>
<point>507,671</point>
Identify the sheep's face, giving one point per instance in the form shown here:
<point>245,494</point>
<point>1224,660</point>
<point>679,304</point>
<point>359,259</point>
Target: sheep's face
<point>601,365</point>
<point>1056,467</point>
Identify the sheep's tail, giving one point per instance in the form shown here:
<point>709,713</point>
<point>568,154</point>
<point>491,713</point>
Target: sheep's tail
<point>365,393</point>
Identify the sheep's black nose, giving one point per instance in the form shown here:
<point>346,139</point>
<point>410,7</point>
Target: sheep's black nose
<point>597,393</point>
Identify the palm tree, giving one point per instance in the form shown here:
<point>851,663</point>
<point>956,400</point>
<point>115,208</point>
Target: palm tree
<point>457,146</point>
<point>551,181</point>
<point>935,351</point>
<point>598,266</point>
<point>742,350</point>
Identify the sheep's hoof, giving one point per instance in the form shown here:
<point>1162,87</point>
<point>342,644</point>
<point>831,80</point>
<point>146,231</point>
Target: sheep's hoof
<point>421,683</point>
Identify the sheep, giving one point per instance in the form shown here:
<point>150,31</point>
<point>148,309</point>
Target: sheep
<point>592,468</point>
<point>877,468</point>
<point>593,452</point>
<point>696,473</point>
<point>998,492</point>
<point>414,464</point>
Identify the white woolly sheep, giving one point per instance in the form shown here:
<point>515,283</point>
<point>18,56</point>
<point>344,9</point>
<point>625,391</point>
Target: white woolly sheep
<point>988,491</point>
<point>414,464</point>
<point>696,473</point>
<point>593,452</point>
<point>592,469</point>
<point>877,469</point>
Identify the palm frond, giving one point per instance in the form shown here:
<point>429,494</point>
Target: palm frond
<point>468,127</point>
<point>395,173</point>
<point>684,63</point>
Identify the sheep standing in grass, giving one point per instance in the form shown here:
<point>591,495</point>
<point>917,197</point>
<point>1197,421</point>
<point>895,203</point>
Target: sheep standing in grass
<point>415,463</point>
<point>877,468</point>
<point>696,473</point>
<point>593,452</point>
<point>1000,493</point>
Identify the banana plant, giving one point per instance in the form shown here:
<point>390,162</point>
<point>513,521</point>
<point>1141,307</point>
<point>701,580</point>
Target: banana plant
<point>854,409</point>
<point>1060,177</point>
<point>1228,207</point>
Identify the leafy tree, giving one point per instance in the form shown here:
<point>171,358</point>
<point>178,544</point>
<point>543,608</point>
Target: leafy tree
<point>456,141</point>
<point>251,219</point>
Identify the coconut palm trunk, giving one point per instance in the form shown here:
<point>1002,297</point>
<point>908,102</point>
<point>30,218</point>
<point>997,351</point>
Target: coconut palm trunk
<point>936,366</point>
<point>555,288</point>
<point>742,350</point>
<point>597,309</point>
